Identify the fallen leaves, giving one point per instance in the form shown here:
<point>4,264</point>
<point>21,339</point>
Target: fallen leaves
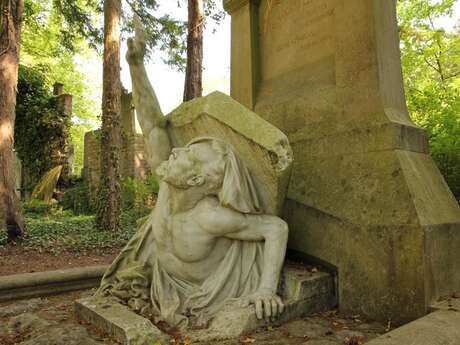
<point>353,340</point>
<point>247,340</point>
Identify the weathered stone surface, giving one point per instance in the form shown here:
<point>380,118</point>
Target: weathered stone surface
<point>263,148</point>
<point>438,328</point>
<point>119,321</point>
<point>65,335</point>
<point>364,194</point>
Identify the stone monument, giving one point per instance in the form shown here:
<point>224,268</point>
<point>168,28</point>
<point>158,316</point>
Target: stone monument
<point>364,196</point>
<point>213,237</point>
<point>211,253</point>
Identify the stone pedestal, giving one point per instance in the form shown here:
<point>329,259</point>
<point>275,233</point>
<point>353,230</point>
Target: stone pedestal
<point>364,195</point>
<point>303,292</point>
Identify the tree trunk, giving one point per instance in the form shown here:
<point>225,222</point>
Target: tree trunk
<point>193,74</point>
<point>10,32</point>
<point>109,203</point>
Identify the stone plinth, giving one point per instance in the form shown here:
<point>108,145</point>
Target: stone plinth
<point>364,195</point>
<point>303,291</point>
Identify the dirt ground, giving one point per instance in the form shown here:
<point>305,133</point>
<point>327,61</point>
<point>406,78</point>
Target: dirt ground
<point>16,259</point>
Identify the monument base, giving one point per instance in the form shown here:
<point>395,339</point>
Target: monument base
<point>304,291</point>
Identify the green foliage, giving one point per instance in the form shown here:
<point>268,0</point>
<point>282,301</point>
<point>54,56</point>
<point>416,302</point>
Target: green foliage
<point>54,231</point>
<point>138,194</point>
<point>39,207</point>
<point>77,199</point>
<point>40,130</point>
<point>42,47</point>
<point>431,65</point>
<point>164,33</point>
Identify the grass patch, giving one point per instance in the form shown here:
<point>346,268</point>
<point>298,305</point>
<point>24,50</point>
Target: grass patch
<point>53,230</point>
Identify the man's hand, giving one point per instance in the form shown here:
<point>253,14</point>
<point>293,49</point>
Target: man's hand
<point>136,45</point>
<point>267,304</point>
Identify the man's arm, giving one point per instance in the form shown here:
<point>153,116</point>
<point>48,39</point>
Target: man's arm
<point>222,221</point>
<point>151,119</point>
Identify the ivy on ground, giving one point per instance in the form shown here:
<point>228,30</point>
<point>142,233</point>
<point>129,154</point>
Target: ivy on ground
<point>53,230</point>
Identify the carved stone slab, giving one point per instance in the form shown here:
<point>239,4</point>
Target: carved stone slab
<point>119,321</point>
<point>263,147</point>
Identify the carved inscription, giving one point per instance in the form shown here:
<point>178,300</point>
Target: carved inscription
<point>294,33</point>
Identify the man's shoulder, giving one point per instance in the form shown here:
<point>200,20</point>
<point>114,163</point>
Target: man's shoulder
<point>211,215</point>
<point>208,205</point>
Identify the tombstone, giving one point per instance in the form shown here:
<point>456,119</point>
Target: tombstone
<point>133,161</point>
<point>364,197</point>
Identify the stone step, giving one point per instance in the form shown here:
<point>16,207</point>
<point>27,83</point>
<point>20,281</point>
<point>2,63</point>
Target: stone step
<point>304,291</point>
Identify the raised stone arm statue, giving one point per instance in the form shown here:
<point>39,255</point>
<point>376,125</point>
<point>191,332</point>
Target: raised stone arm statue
<point>208,241</point>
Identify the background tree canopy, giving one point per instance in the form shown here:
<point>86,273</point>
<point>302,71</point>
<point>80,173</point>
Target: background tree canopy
<point>431,65</point>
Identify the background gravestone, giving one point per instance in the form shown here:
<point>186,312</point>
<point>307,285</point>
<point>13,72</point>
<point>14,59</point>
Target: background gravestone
<point>364,196</point>
<point>133,162</point>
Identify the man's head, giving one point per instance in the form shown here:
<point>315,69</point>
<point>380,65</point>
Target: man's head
<point>200,164</point>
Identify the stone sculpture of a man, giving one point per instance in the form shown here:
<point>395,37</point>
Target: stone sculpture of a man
<point>207,241</point>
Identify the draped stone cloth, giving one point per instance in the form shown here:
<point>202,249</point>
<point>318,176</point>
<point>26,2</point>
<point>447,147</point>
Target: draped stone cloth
<point>137,277</point>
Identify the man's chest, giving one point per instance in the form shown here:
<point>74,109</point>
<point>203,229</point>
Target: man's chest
<point>183,236</point>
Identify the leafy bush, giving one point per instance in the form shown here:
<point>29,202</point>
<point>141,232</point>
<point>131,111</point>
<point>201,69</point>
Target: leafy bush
<point>77,199</point>
<point>431,64</point>
<point>137,194</point>
<point>40,129</point>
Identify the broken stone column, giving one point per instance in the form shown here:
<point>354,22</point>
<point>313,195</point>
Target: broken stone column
<point>64,107</point>
<point>365,196</point>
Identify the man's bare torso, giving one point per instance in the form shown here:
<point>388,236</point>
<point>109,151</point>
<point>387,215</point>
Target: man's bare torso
<point>184,248</point>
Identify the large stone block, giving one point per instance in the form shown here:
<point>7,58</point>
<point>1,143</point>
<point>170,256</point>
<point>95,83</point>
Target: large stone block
<point>263,147</point>
<point>364,195</point>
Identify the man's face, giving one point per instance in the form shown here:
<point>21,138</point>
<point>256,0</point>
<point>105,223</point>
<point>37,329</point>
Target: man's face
<point>180,169</point>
